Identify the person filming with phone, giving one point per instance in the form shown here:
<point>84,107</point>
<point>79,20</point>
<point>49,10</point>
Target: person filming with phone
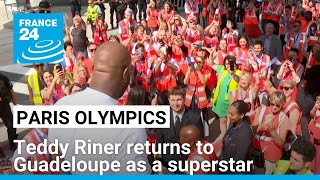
<point>291,69</point>
<point>54,85</point>
<point>196,79</point>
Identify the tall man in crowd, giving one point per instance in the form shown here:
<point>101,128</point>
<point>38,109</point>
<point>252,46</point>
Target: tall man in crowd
<point>110,78</point>
<point>179,117</point>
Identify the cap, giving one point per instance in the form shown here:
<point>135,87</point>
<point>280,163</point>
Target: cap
<point>128,12</point>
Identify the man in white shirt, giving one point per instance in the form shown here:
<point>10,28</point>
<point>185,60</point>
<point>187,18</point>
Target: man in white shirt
<point>110,79</point>
<point>179,117</point>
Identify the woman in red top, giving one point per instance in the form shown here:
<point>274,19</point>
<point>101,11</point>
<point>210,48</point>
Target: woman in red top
<point>177,24</point>
<point>230,33</point>
<point>241,52</point>
<point>153,14</point>
<point>314,128</point>
<point>100,31</point>
<point>222,52</point>
<point>52,91</point>
<point>272,127</point>
<point>251,25</point>
<point>212,34</point>
<point>167,12</point>
<point>196,79</point>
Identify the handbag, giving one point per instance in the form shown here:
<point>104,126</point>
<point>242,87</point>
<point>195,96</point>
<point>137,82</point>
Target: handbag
<point>257,156</point>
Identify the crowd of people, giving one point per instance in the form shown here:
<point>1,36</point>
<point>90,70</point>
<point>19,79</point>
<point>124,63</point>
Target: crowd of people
<point>253,66</point>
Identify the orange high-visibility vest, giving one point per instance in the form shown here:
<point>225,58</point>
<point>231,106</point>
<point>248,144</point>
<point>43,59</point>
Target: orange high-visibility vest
<point>195,87</point>
<point>204,8</point>
<point>248,98</point>
<point>165,80</point>
<point>288,107</point>
<point>192,37</point>
<point>305,30</point>
<point>314,126</point>
<point>264,9</point>
<point>263,138</point>
<point>311,61</point>
<point>125,28</point>
<point>192,8</point>
<point>250,17</point>
<point>124,97</point>
<point>291,43</point>
<point>282,25</point>
<point>293,16</point>
<point>263,67</point>
<point>274,15</point>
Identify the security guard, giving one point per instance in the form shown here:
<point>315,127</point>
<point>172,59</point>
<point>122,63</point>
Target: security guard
<point>302,154</point>
<point>113,11</point>
<point>93,11</point>
<point>7,95</point>
<point>35,85</point>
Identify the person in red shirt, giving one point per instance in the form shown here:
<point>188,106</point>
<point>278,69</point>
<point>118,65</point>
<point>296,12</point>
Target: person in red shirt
<point>92,47</point>
<point>196,79</point>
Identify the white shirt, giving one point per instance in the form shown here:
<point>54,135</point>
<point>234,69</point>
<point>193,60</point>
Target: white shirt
<point>100,135</point>
<point>127,23</point>
<point>259,61</point>
<point>192,4</point>
<point>174,114</point>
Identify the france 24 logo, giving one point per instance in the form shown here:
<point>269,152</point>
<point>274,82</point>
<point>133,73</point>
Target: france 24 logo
<point>38,38</point>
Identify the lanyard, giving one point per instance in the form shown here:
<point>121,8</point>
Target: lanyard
<point>295,39</point>
<point>243,98</point>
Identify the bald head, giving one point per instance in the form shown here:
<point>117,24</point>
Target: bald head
<point>189,134</point>
<point>111,56</point>
<point>111,72</point>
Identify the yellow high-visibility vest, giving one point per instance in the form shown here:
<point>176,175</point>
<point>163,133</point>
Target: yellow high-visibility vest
<point>34,84</point>
<point>283,167</point>
<point>92,13</point>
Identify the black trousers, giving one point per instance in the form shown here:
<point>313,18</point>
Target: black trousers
<point>7,118</point>
<point>113,10</point>
<point>142,9</point>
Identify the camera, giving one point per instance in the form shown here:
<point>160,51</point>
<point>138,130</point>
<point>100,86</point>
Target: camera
<point>198,46</point>
<point>59,68</point>
<point>161,41</point>
<point>232,66</point>
<point>192,67</point>
<point>175,32</point>
<point>148,32</point>
<point>290,58</point>
<point>132,30</point>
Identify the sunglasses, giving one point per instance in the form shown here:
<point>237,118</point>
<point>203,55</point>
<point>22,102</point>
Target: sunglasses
<point>285,88</point>
<point>176,19</point>
<point>92,50</point>
<point>277,105</point>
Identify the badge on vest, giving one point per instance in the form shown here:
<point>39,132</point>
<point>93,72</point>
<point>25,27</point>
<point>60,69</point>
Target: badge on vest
<point>226,97</point>
<point>38,38</point>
